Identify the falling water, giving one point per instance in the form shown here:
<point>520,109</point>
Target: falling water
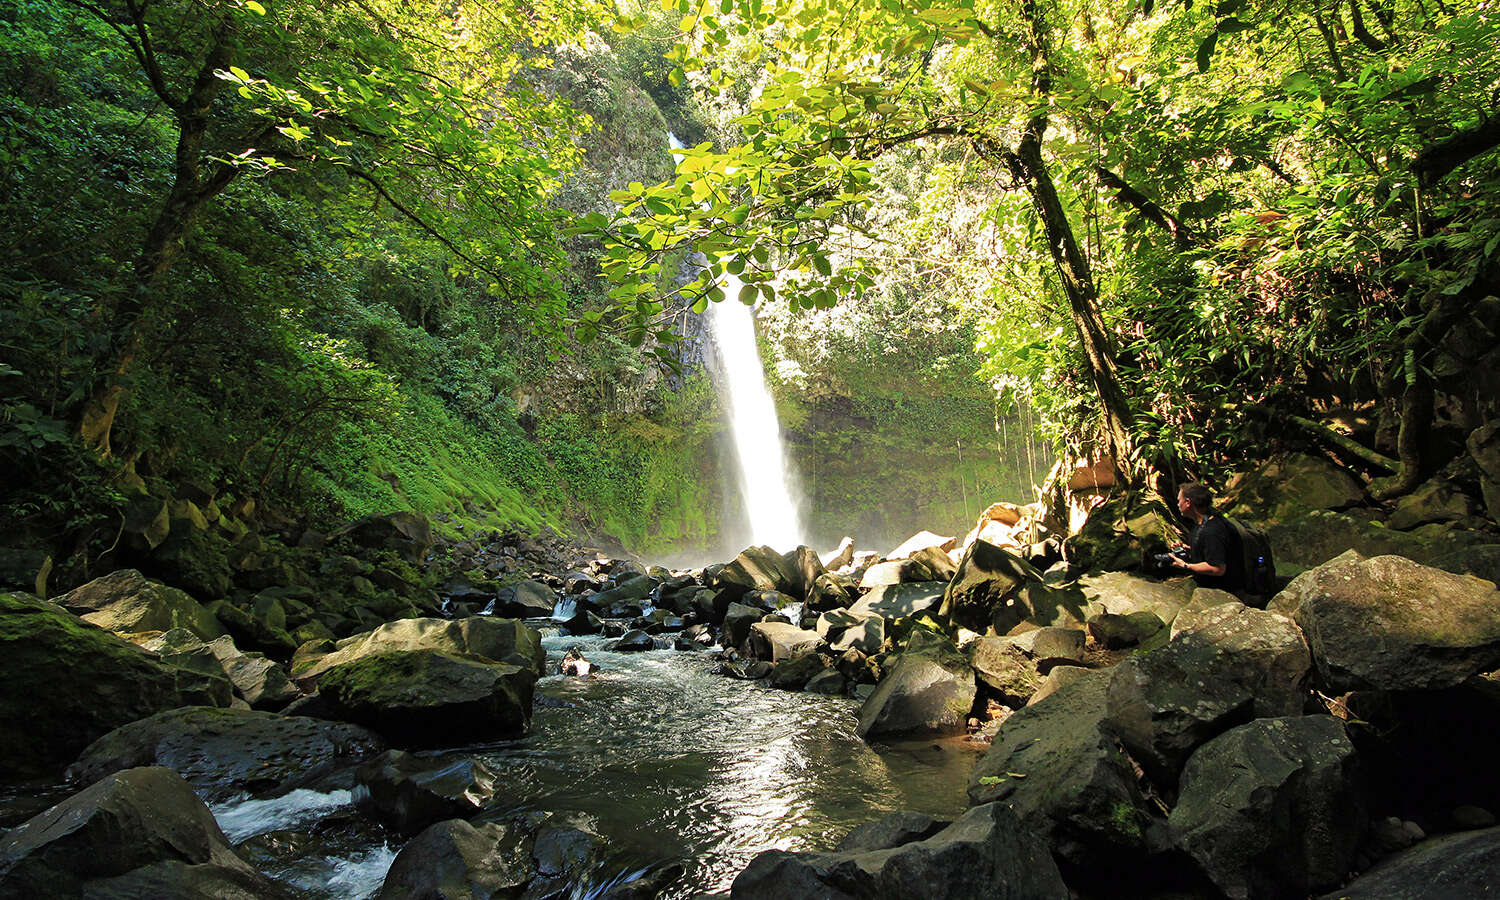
<point>764,478</point>
<point>753,423</point>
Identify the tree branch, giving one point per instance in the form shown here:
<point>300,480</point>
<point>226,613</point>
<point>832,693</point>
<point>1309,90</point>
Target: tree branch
<point>1436,161</point>
<point>1181,234</point>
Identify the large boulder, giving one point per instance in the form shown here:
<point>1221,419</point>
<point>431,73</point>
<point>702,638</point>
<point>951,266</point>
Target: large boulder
<point>1435,500</point>
<point>1056,763</point>
<point>137,833</point>
<point>1315,538</point>
<point>899,601</point>
<point>424,698</point>
<point>1005,667</point>
<point>1118,534</point>
<point>1234,665</point>
<point>777,641</point>
<point>1123,593</point>
<point>127,602</point>
<point>1393,624</point>
<point>985,853</point>
<point>983,593</point>
<point>525,600</point>
<point>1290,485</point>
<point>407,533</point>
<point>1451,866</point>
<point>497,640</point>
<point>1273,808</point>
<point>409,793</point>
<point>455,859</point>
<point>737,621</point>
<point>759,568</point>
<point>66,684</point>
<point>927,689</point>
<point>1484,448</point>
<point>222,752</point>
<point>806,569</point>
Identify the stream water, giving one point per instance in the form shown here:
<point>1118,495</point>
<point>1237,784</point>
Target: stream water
<point>668,761</point>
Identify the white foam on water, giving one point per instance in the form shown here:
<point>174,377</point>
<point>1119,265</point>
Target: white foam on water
<point>244,819</point>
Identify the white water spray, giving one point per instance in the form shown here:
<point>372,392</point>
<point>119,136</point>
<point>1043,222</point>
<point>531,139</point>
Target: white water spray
<point>753,423</point>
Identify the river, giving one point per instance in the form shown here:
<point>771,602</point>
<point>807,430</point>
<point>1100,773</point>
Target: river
<point>666,759</point>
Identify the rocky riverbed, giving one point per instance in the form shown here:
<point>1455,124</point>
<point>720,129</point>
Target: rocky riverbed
<point>407,734</point>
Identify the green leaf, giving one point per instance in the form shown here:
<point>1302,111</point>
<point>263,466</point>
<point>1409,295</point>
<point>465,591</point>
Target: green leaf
<point>255,7</point>
<point>1206,51</point>
<point>1233,26</point>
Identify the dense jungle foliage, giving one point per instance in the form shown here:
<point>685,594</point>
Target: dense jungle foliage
<point>346,258</point>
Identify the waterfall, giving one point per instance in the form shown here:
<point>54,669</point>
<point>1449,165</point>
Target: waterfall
<point>764,479</point>
<point>757,432</point>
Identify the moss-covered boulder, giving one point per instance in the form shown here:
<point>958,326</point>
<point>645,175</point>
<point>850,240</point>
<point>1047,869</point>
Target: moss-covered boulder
<point>1288,486</point>
<point>66,684</point>
<point>483,637</point>
<point>1119,534</point>
<point>138,833</point>
<point>982,593</point>
<point>1392,624</point>
<point>424,698</point>
<point>222,752</point>
<point>127,602</point>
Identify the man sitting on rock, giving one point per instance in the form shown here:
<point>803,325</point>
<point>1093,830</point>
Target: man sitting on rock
<point>574,664</point>
<point>1213,556</point>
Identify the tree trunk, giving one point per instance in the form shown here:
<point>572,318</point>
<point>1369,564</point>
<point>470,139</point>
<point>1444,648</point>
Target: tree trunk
<point>129,316</point>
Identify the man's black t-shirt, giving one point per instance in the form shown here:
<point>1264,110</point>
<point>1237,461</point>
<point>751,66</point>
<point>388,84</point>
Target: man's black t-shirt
<point>1216,542</point>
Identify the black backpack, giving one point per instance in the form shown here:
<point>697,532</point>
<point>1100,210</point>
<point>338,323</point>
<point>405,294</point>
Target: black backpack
<point>1260,566</point>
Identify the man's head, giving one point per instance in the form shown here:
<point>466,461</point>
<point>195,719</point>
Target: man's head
<point>1196,497</point>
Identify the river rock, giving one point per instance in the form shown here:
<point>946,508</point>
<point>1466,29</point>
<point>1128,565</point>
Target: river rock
<point>1050,643</point>
<point>1056,763</point>
<point>1273,808</point>
<point>408,793</point>
<point>927,689</point>
<point>898,601</point>
<point>407,533</point>
<point>806,569</point>
<point>524,600</point>
<point>66,684</point>
<point>1393,624</point>
<point>866,636</point>
<point>1138,629</point>
<point>1483,445</point>
<point>1317,537</point>
<point>1236,664</point>
<point>626,599</point>
<point>1057,678</point>
<point>758,568</point>
<point>1452,866</point>
<point>499,640</point>
<point>1005,667</point>
<point>777,641</point>
<point>983,593</point>
<point>794,674</point>
<point>902,827</point>
<point>985,853</point>
<point>1123,593</point>
<point>830,682</point>
<point>737,621</point>
<point>635,640</point>
<point>920,541</point>
<point>831,591</point>
<point>201,679</point>
<point>423,698</point>
<point>454,859</point>
<point>262,682</point>
<point>222,752</point>
<point>930,564</point>
<point>127,602</point>
<point>137,833</point>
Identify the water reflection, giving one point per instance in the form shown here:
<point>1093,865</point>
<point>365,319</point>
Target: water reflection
<point>674,762</point>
